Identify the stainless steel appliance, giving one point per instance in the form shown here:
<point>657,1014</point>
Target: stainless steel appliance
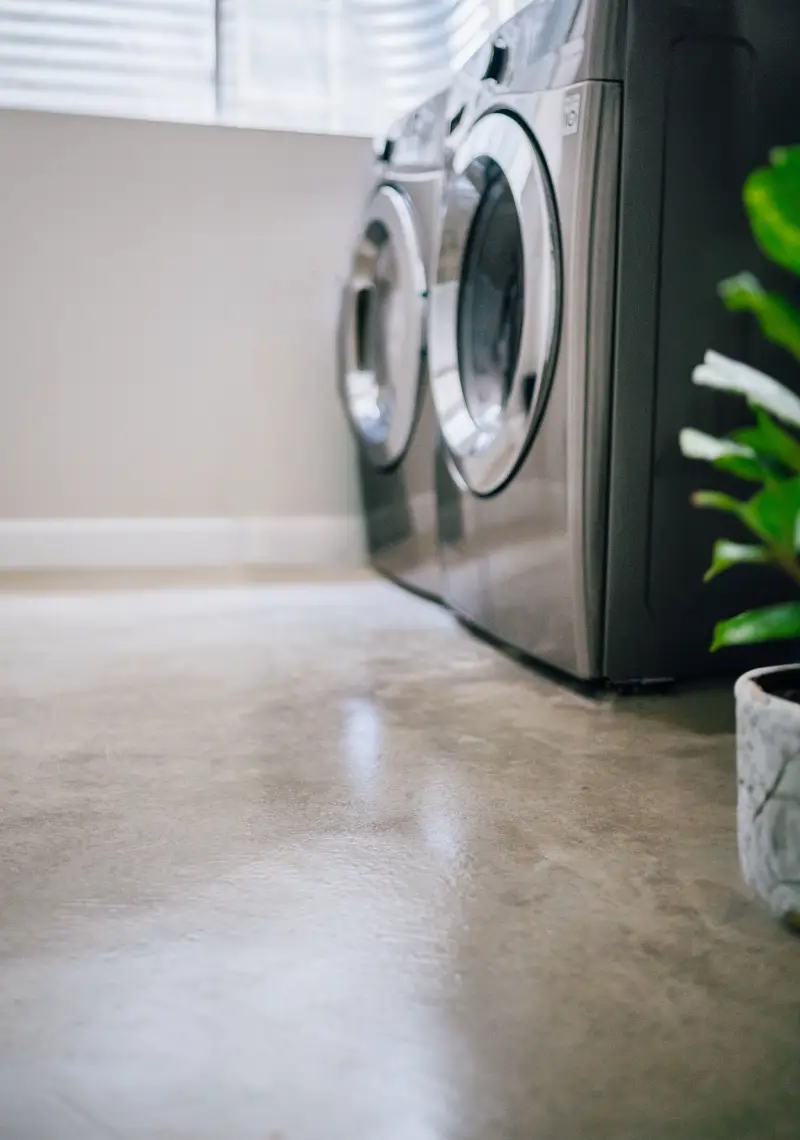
<point>595,160</point>
<point>382,349</point>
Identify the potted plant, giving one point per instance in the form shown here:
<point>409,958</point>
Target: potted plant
<point>767,455</point>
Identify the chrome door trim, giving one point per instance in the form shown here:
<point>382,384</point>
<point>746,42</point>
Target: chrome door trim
<point>381,397</point>
<point>486,455</point>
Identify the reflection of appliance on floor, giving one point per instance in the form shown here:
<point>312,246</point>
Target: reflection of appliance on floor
<point>382,352</point>
<point>595,160</point>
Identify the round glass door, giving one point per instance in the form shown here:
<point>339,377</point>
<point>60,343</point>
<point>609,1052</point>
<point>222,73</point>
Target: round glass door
<point>490,303</point>
<point>495,306</point>
<point>381,329</point>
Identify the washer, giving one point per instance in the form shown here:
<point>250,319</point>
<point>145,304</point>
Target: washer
<point>382,350</point>
<point>595,161</point>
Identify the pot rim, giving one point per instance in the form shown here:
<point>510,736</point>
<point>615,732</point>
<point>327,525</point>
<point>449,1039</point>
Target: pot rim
<point>747,686</point>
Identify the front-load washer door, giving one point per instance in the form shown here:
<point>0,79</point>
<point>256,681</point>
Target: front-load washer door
<point>495,307</point>
<point>381,329</point>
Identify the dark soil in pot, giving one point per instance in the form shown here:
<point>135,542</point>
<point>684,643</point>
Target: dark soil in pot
<point>784,683</point>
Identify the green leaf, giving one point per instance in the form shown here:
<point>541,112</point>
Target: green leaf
<point>760,390</point>
<point>773,623</point>
<point>772,516</point>
<point>750,469</point>
<point>727,554</point>
<point>725,454</point>
<point>772,200</point>
<point>779,320</point>
<point>769,440</point>
<point>718,501</point>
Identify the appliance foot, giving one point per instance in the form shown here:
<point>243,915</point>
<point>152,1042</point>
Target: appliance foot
<point>641,687</point>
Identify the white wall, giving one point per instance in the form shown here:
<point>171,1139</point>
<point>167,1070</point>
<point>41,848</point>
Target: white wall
<point>168,300</point>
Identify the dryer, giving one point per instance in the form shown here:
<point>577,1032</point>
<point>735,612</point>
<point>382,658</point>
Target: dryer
<point>382,357</point>
<point>595,158</point>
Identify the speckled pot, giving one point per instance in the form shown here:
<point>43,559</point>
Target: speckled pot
<point>768,765</point>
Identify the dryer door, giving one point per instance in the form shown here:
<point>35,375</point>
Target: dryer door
<point>381,329</point>
<point>495,308</point>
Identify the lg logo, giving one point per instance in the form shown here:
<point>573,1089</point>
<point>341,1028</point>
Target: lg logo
<point>572,114</point>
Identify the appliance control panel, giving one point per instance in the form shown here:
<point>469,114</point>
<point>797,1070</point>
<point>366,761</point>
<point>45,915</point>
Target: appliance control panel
<point>383,148</point>
<point>417,140</point>
<point>518,54</point>
<point>497,63</point>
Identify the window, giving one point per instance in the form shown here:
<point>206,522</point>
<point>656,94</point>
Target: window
<point>148,58</point>
<point>349,66</point>
<point>343,66</point>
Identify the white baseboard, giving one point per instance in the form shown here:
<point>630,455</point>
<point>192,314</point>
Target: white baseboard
<point>182,543</point>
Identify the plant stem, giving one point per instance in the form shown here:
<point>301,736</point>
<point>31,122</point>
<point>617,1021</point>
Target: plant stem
<point>790,566</point>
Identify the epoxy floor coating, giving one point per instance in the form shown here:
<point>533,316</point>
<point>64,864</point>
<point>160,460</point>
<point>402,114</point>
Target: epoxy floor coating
<point>309,862</point>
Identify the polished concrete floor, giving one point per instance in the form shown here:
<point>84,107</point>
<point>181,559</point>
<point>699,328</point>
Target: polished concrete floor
<point>308,862</point>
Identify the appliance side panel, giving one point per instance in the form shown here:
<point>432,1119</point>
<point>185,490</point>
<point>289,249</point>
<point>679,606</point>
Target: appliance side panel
<point>628,627</point>
<point>711,145</point>
<point>686,71</point>
<point>603,39</point>
<point>589,528</point>
<point>705,238</point>
<point>731,110</point>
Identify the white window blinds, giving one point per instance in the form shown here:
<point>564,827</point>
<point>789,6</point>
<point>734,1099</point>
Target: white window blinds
<point>349,66</point>
<point>344,65</point>
<point>149,58</point>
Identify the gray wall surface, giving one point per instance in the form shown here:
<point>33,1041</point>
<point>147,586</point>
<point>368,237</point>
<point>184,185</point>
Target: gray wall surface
<point>168,299</point>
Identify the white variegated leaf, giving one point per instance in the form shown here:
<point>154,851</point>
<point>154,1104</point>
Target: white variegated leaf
<point>725,551</point>
<point>697,445</point>
<point>763,391</point>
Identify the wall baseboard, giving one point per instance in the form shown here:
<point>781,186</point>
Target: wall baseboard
<point>191,543</point>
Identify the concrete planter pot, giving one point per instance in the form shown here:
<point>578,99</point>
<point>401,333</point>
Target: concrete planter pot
<point>768,768</point>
